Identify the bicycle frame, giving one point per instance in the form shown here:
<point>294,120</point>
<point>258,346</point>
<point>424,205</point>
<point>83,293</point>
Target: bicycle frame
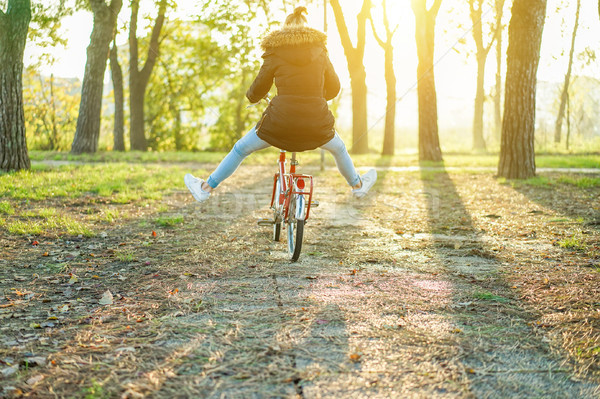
<point>291,183</point>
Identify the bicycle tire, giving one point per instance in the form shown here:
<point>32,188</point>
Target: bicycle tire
<point>295,235</point>
<point>276,231</point>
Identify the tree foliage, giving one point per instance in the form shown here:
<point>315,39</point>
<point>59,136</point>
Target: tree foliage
<point>201,78</point>
<point>51,106</point>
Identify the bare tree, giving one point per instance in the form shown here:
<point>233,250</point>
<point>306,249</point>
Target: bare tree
<point>138,78</point>
<point>499,9</point>
<point>390,81</point>
<point>517,152</point>
<point>565,89</point>
<point>87,132</point>
<point>117,78</point>
<point>356,68</point>
<point>429,142</point>
<point>482,51</point>
<point>14,25</point>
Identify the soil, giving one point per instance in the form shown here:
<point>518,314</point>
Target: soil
<point>437,285</point>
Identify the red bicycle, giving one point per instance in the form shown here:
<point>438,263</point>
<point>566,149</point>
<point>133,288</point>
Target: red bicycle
<point>291,202</point>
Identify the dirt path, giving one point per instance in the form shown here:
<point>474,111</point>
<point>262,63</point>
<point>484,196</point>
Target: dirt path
<point>412,293</point>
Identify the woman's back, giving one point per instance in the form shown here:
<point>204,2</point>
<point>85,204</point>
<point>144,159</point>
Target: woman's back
<point>296,60</point>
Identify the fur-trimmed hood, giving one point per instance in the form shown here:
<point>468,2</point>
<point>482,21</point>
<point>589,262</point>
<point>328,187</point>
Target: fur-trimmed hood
<point>293,36</point>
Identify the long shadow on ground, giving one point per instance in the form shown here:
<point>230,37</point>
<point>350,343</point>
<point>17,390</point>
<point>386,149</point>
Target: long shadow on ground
<point>490,334</point>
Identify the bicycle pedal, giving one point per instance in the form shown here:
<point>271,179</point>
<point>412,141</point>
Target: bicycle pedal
<point>265,222</point>
<point>314,204</point>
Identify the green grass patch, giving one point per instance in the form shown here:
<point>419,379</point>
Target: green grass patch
<point>573,243</point>
<point>125,256</point>
<point>488,296</point>
<point>545,181</point>
<point>6,208</point>
<point>95,391</point>
<point>169,221</point>
<point>55,224</point>
<point>269,156</point>
<point>559,220</point>
<point>118,182</point>
<point>581,182</point>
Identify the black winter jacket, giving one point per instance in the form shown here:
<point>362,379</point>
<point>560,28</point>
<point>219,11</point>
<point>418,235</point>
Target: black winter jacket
<point>297,119</point>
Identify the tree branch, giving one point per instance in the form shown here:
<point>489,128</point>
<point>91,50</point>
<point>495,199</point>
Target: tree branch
<point>115,7</point>
<point>375,35</point>
<point>154,44</point>
<point>342,28</point>
<point>133,42</point>
<point>435,8</point>
<point>361,18</point>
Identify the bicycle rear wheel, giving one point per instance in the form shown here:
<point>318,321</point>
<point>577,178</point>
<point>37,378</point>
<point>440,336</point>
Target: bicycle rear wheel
<point>295,230</point>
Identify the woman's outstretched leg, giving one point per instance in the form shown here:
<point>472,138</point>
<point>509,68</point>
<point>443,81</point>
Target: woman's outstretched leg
<point>360,184</point>
<point>245,146</point>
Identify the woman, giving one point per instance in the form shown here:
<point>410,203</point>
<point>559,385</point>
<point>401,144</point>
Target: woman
<point>297,119</point>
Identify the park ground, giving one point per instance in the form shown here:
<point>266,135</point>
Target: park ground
<point>444,282</point>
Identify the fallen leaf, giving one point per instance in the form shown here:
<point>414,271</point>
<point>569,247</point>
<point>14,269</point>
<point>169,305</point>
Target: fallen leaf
<point>35,379</point>
<point>125,349</point>
<point>9,370</point>
<point>107,298</point>
<point>355,357</point>
<point>73,279</point>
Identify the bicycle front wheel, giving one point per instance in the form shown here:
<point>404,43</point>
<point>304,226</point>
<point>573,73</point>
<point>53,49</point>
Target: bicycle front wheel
<point>276,231</point>
<point>295,230</point>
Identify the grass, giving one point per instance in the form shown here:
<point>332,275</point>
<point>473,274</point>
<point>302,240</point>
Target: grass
<point>548,181</point>
<point>52,224</point>
<point>69,186</point>
<point>169,221</point>
<point>126,255</point>
<point>573,243</point>
<point>6,208</point>
<point>117,182</point>
<point>488,296</point>
<point>269,156</point>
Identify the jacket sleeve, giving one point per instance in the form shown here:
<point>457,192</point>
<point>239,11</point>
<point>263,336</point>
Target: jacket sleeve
<point>332,82</point>
<point>263,81</point>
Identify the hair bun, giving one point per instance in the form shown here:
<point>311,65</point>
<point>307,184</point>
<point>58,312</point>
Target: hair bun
<point>300,10</point>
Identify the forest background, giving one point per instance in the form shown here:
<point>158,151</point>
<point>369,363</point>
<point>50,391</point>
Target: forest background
<point>210,53</point>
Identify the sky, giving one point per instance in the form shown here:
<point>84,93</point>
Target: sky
<point>454,71</point>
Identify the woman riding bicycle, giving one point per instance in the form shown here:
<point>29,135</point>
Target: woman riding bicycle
<point>297,119</point>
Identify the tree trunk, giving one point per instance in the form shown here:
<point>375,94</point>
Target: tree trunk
<point>360,142</point>
<point>356,69</point>
<point>13,33</point>
<point>138,79</point>
<point>389,133</point>
<point>390,81</point>
<point>429,142</point>
<point>87,132</point>
<point>478,140</point>
<point>498,87</point>
<point>117,79</point>
<point>565,89</point>
<point>517,152</point>
<point>481,54</point>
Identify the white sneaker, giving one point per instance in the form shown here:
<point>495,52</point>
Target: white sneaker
<point>195,186</point>
<point>368,179</point>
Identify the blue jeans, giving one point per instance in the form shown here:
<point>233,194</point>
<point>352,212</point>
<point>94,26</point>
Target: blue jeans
<point>251,143</point>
